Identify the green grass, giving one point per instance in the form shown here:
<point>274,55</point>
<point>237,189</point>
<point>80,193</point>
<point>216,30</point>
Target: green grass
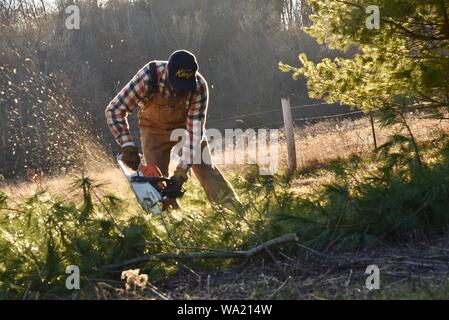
<point>43,234</point>
<point>370,201</point>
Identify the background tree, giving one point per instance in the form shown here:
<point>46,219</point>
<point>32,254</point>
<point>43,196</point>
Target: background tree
<point>401,65</point>
<point>404,63</point>
<point>238,44</point>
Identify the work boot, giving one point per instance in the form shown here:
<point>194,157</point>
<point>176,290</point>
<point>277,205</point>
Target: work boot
<point>233,205</point>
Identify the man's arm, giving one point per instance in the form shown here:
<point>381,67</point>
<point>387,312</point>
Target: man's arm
<point>124,103</point>
<point>195,124</point>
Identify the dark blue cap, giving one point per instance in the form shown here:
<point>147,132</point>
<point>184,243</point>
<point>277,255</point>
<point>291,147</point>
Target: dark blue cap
<point>182,68</point>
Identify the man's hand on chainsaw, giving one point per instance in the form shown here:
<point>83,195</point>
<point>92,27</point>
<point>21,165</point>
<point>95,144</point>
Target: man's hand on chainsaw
<point>131,157</point>
<point>180,176</point>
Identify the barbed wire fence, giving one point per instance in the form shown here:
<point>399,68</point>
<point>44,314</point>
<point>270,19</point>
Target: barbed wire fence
<point>289,122</point>
<point>295,122</point>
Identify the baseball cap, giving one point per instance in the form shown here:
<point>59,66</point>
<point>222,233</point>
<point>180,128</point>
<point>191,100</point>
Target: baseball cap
<point>182,68</point>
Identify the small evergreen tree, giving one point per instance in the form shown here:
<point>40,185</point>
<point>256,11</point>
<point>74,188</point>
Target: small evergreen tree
<point>404,63</point>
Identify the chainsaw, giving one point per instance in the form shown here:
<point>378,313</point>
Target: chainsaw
<point>150,187</point>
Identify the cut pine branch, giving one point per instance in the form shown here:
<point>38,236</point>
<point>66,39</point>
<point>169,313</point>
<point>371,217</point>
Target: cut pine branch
<point>204,255</point>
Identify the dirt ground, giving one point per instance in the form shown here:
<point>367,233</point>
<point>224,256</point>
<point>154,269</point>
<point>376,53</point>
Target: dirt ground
<point>414,270</point>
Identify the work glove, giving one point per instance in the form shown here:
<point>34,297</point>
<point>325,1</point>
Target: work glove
<point>180,176</point>
<point>131,157</point>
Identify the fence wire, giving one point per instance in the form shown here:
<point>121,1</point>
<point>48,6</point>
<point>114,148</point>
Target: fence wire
<point>242,116</point>
<point>279,109</point>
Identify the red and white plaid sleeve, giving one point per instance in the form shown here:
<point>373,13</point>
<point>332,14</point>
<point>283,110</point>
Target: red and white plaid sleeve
<point>124,103</point>
<point>195,124</point>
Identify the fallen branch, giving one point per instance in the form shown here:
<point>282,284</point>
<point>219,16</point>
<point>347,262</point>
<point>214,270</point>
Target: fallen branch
<point>204,255</point>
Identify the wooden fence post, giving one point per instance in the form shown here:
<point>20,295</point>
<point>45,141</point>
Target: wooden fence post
<point>289,136</point>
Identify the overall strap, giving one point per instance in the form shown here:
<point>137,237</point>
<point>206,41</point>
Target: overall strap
<point>154,83</point>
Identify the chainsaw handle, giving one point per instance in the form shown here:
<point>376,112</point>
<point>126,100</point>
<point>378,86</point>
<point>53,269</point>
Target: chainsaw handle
<point>172,189</point>
<point>119,158</point>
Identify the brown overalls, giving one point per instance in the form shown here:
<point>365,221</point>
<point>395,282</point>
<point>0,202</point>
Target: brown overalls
<point>158,116</point>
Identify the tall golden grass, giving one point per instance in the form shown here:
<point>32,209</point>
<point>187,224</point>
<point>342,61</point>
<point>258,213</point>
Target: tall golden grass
<point>316,145</point>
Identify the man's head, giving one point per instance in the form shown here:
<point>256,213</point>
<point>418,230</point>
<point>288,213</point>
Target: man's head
<point>182,68</point>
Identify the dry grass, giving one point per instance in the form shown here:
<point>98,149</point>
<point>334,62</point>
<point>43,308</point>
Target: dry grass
<point>319,143</point>
<point>316,145</point>
<point>101,169</point>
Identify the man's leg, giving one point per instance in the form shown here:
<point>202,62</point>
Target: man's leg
<point>156,148</point>
<point>217,188</point>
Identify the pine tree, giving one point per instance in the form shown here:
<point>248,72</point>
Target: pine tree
<point>402,64</point>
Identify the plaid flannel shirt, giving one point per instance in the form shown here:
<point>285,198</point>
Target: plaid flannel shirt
<point>138,88</point>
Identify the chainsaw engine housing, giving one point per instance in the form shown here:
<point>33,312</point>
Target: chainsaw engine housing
<point>150,191</point>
